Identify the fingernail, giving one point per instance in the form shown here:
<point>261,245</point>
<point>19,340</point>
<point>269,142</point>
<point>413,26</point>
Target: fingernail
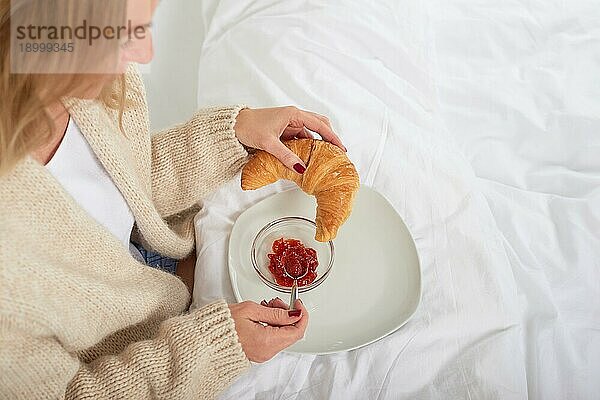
<point>345,149</point>
<point>294,313</point>
<point>299,168</point>
<point>264,302</point>
<point>277,298</point>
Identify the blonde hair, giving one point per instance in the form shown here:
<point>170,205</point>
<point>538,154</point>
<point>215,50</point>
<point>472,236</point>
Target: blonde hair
<point>25,124</point>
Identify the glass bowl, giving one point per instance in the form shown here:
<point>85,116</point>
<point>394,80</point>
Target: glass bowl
<point>299,228</point>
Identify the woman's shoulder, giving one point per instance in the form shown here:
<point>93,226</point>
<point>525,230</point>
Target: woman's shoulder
<point>126,92</point>
<point>135,90</point>
<point>122,108</point>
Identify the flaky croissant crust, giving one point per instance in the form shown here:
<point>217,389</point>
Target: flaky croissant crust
<point>330,176</point>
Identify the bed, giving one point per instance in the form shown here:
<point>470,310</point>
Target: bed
<point>479,123</point>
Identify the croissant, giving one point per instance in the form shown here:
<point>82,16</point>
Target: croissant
<point>329,176</point>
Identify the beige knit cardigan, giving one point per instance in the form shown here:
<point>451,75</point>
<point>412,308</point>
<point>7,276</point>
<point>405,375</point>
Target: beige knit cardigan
<point>79,317</point>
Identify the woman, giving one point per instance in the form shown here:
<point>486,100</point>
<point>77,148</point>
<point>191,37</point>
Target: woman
<point>80,175</point>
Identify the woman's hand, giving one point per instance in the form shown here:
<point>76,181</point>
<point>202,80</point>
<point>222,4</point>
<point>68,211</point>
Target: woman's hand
<point>264,331</point>
<point>262,128</point>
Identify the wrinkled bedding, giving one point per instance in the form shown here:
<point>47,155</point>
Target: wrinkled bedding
<point>479,122</point>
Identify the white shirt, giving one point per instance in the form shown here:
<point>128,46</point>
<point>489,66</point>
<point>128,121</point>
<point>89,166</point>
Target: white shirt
<point>81,174</point>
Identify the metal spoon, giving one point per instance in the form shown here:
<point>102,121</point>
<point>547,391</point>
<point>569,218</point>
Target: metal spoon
<point>294,294</point>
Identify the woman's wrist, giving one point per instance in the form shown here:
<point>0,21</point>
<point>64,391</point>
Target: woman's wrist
<point>236,129</point>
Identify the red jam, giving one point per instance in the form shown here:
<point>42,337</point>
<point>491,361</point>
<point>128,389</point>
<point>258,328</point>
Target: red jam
<point>291,255</point>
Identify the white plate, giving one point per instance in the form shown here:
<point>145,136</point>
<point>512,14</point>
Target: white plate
<point>375,283</point>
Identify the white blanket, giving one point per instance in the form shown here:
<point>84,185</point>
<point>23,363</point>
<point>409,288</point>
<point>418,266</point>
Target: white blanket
<point>507,235</point>
<point>519,88</point>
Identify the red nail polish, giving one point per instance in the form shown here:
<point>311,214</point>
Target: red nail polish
<point>294,313</point>
<point>299,168</point>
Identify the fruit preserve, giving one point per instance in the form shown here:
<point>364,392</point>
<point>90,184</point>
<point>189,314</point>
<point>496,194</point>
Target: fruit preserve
<point>292,256</point>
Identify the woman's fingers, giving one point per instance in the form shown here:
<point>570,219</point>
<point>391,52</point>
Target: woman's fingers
<point>275,316</point>
<point>290,334</point>
<point>321,125</point>
<point>322,118</point>
<point>305,133</point>
<point>296,133</point>
<point>285,155</point>
<point>277,302</point>
<point>260,342</point>
<point>302,322</point>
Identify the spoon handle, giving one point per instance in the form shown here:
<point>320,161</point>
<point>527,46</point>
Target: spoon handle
<point>294,295</point>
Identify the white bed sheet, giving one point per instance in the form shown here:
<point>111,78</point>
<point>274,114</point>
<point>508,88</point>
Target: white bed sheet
<point>519,87</point>
<point>507,235</point>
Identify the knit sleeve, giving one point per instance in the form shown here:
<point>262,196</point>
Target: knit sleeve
<point>193,356</point>
<point>193,159</point>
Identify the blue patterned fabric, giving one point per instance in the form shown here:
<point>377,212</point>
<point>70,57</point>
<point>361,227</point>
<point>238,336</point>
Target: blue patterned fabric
<point>155,260</point>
